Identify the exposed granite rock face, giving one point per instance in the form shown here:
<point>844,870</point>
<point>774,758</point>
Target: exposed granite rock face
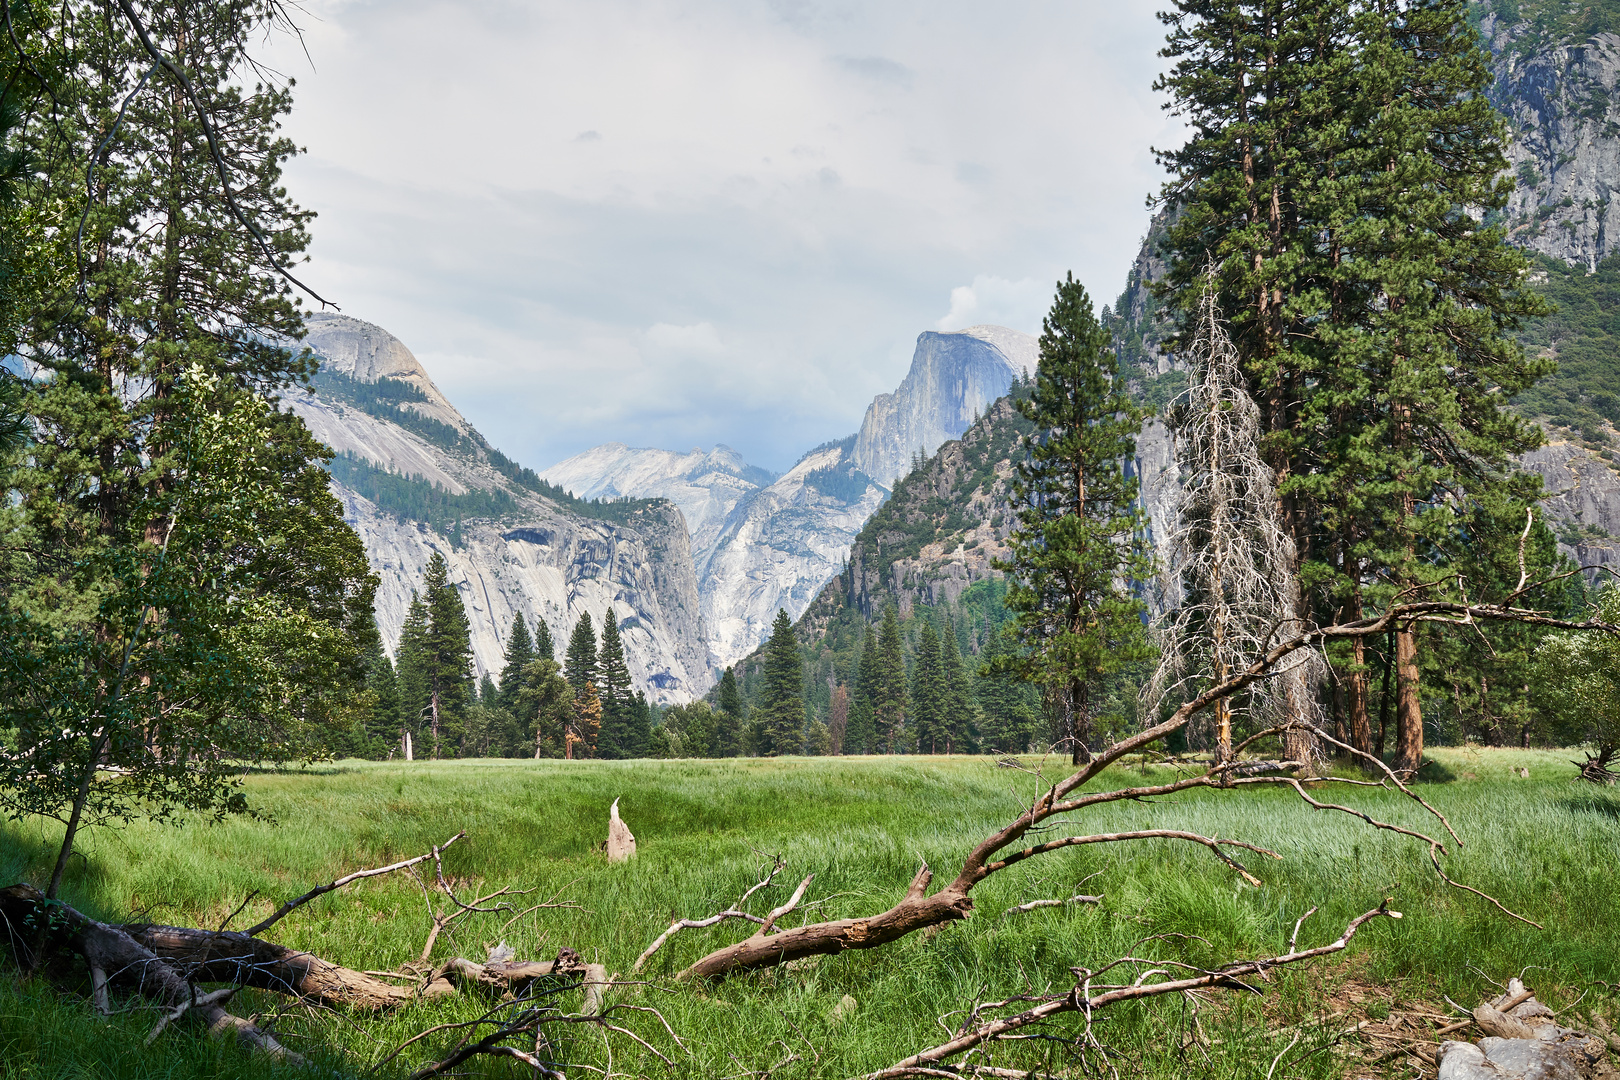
<point>707,486</point>
<point>948,522</point>
<point>759,543</point>
<point>777,548</point>
<point>366,352</point>
<point>1566,139</point>
<point>953,379</point>
<point>545,560</point>
<point>1582,503</point>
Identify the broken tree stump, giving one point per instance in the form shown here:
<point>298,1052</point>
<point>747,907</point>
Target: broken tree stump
<point>1523,1042</point>
<point>621,844</point>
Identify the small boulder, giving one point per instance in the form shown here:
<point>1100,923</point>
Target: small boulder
<point>621,844</point>
<point>843,1010</point>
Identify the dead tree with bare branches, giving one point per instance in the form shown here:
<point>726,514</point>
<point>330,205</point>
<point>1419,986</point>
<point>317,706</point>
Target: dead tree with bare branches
<point>1231,580</point>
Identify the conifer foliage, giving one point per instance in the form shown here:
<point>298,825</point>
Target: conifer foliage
<point>180,593</point>
<point>1081,539</point>
<point>1339,158</point>
<point>436,659</point>
<point>625,725</point>
<point>782,710</point>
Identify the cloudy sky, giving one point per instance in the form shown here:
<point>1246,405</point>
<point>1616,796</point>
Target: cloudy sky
<point>694,222</point>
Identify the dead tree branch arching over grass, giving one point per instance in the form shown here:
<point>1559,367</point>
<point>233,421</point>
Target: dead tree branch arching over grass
<point>918,908</point>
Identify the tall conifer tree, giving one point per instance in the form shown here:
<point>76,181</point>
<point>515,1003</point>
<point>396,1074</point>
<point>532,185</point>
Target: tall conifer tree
<point>928,693</point>
<point>519,651</point>
<point>581,663</point>
<point>413,681</point>
<point>728,724</point>
<point>1339,156</point>
<point>961,722</point>
<point>889,689</point>
<point>1081,537</point>
<point>782,710</point>
<point>544,648</point>
<point>622,736</point>
<point>446,654</point>
<point>861,734</point>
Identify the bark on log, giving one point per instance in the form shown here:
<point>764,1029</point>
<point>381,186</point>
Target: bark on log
<point>227,956</point>
<point>913,912</point>
<point>125,960</point>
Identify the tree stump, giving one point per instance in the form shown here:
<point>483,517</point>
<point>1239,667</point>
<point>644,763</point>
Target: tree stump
<point>621,844</point>
<point>1524,1043</point>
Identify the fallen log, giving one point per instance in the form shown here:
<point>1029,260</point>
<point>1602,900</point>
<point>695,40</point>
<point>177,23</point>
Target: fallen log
<point>118,958</point>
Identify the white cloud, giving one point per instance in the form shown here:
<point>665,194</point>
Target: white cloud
<point>1018,304</point>
<point>804,180</point>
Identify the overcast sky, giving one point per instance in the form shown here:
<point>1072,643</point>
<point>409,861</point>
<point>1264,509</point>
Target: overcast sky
<point>697,222</point>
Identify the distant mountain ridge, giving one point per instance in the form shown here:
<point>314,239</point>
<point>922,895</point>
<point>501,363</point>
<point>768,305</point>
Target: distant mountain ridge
<point>760,545</point>
<point>514,544</point>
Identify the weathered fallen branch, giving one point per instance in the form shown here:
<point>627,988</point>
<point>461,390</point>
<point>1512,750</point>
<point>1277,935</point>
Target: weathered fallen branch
<point>166,963</point>
<point>1087,997</point>
<point>733,912</point>
<point>1035,905</point>
<point>320,890</point>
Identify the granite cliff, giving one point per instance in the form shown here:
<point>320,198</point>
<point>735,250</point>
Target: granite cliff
<point>513,544</point>
<point>760,543</point>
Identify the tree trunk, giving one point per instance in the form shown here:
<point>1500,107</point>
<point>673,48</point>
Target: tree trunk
<point>1080,720</point>
<point>1408,707</point>
<point>1356,704</point>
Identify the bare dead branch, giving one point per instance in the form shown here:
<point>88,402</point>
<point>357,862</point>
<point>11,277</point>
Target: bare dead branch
<point>733,912</point>
<point>1081,999</point>
<point>1210,842</point>
<point>1034,905</point>
<point>320,890</point>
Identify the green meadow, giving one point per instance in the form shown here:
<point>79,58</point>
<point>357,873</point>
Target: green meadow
<point>1545,845</point>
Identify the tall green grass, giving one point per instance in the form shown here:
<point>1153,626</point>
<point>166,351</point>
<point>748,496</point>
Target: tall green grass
<point>1545,846</point>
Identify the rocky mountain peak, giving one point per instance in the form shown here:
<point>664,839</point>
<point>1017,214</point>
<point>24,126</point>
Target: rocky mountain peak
<point>366,352</point>
<point>953,378</point>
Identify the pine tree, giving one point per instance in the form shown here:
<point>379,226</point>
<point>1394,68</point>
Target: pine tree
<point>728,724</point>
<point>1081,539</point>
<point>519,651</point>
<point>782,710</point>
<point>861,734</point>
<point>1011,712</point>
<point>413,677</point>
<point>545,707</point>
<point>544,649</point>
<point>581,663</point>
<point>961,711</point>
<point>642,718</point>
<point>1371,310</point>
<point>383,724</point>
<point>446,654</point>
<point>621,735</point>
<point>928,693</point>
<point>488,694</point>
<point>153,319</point>
<point>889,689</point>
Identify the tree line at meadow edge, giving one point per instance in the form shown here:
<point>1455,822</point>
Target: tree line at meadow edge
<point>1338,191</point>
<point>180,594</point>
